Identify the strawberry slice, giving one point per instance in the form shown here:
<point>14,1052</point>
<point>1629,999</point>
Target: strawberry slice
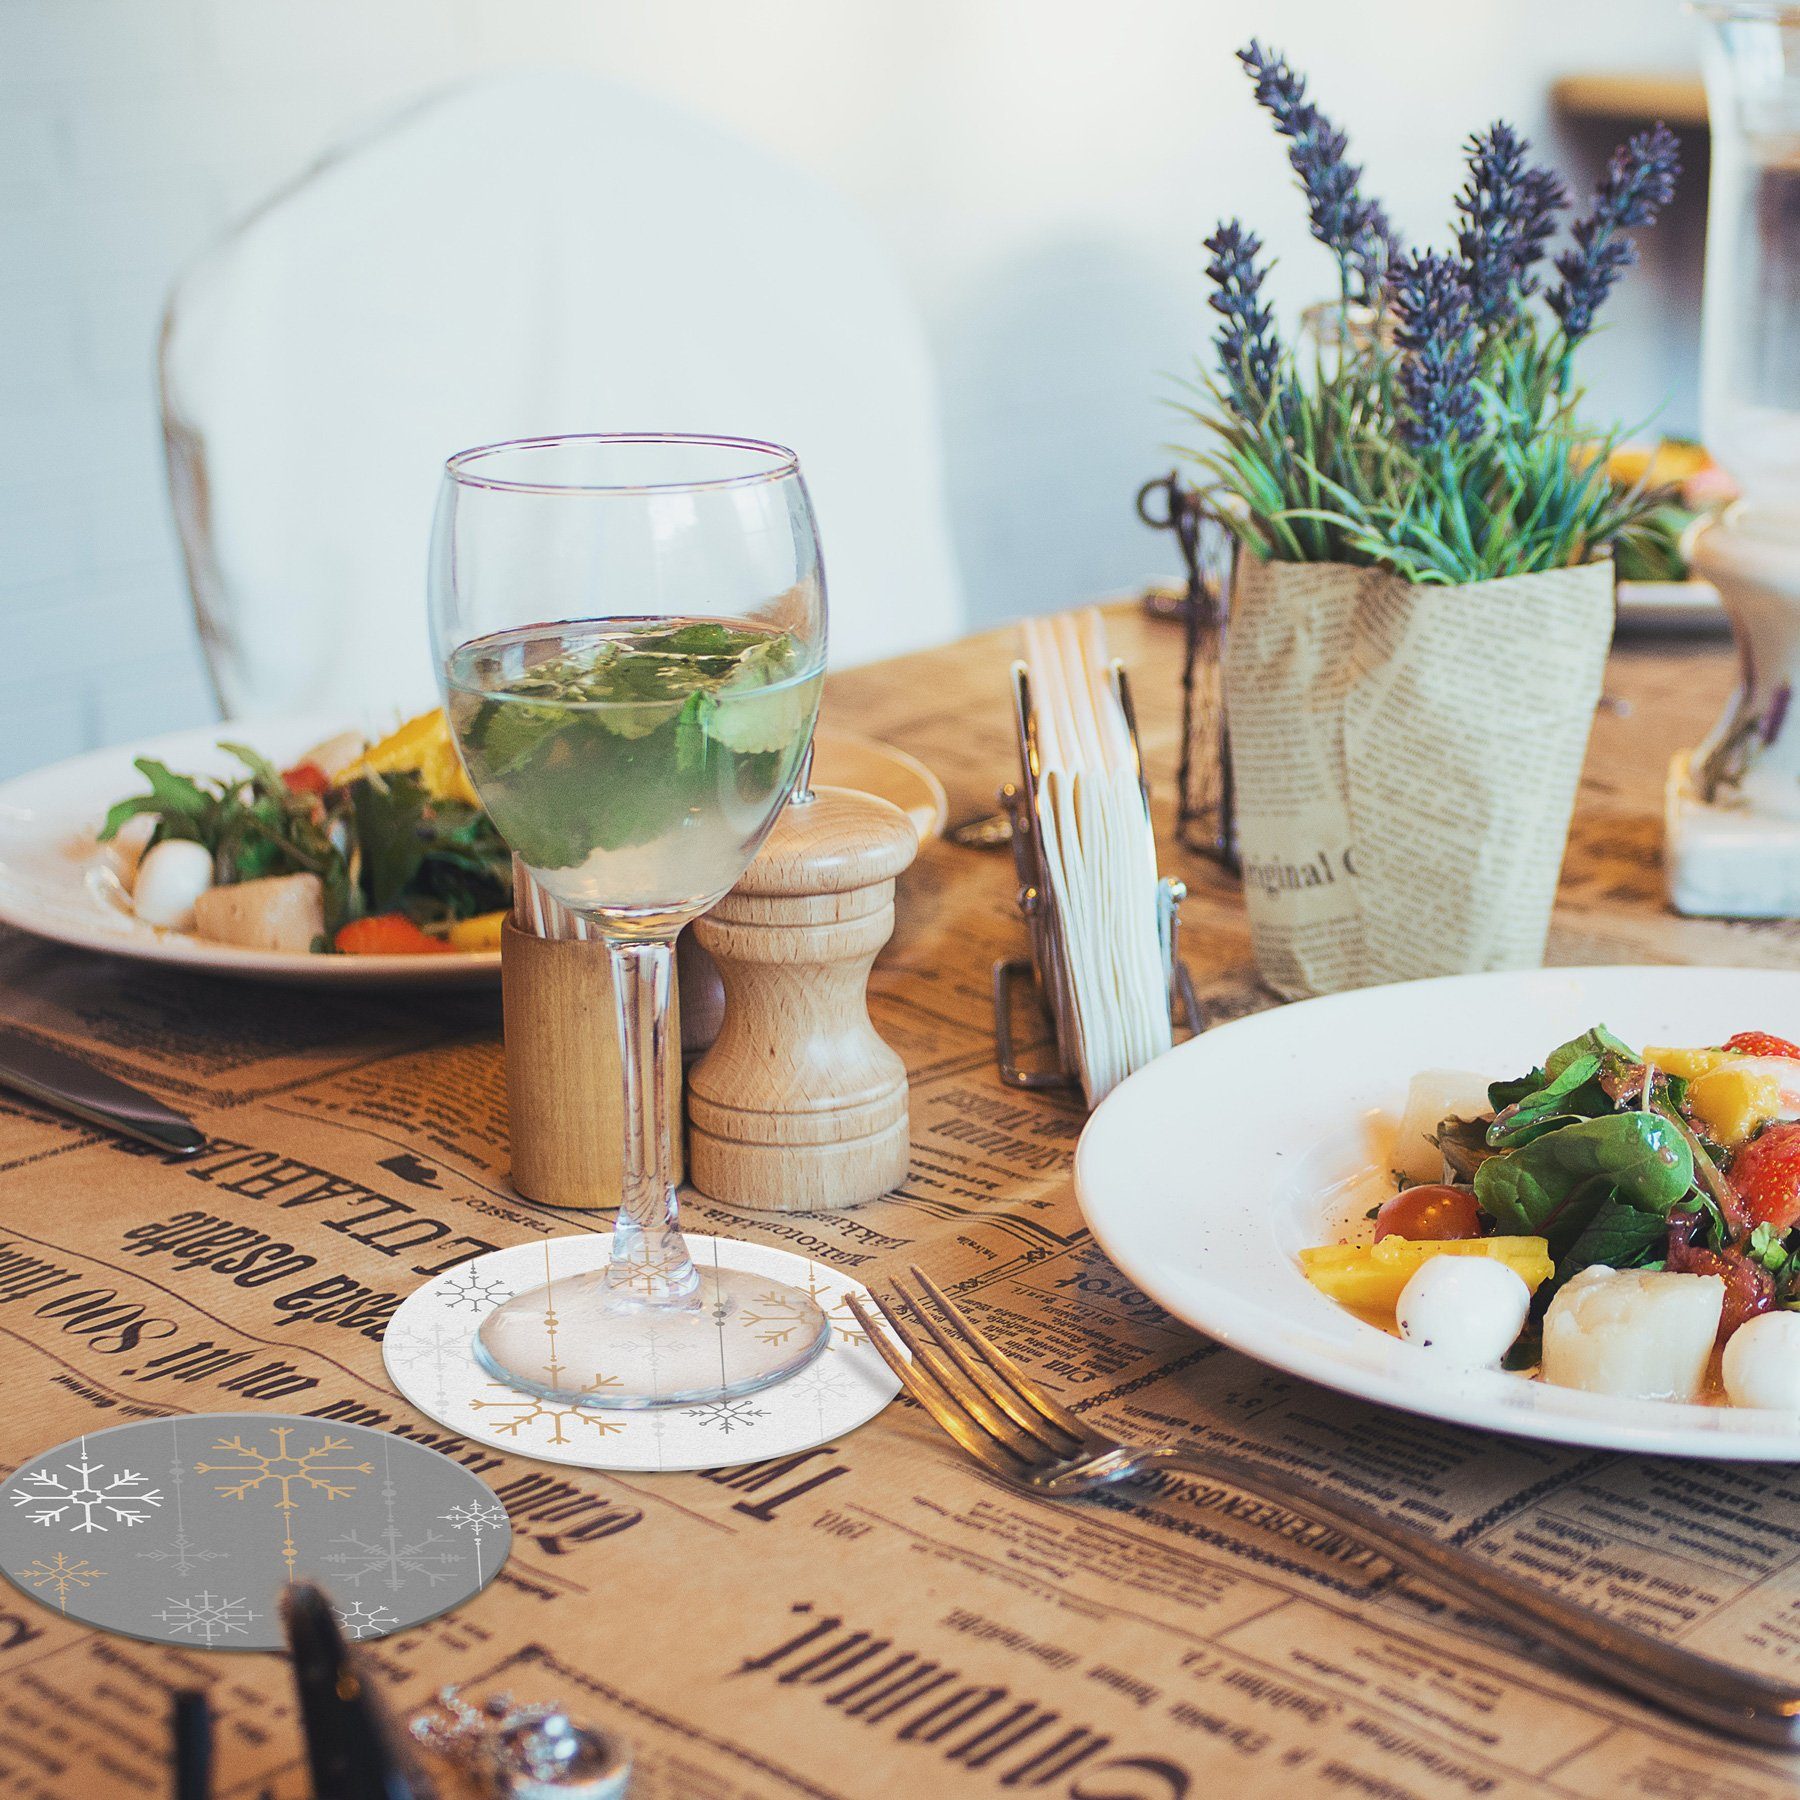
<point>1766,1174</point>
<point>1761,1043</point>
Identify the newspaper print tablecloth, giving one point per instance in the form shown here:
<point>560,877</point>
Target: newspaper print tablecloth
<point>873,1617</point>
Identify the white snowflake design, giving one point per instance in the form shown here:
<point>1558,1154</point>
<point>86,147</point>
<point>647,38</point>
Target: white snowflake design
<point>479,1293</point>
<point>207,1616</point>
<point>97,1500</point>
<point>362,1620</point>
<point>726,1416</point>
<point>475,1516</point>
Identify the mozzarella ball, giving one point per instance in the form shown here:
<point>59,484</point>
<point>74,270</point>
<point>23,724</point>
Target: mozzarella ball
<point>172,876</point>
<point>1638,1334</point>
<point>1466,1309</point>
<point>1761,1364</point>
<point>1431,1098</point>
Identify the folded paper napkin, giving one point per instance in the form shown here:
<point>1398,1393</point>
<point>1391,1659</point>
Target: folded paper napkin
<point>1099,851</point>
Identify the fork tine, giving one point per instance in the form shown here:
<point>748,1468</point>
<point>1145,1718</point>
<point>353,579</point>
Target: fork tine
<point>969,1397</point>
<point>988,1451</point>
<point>997,1393</point>
<point>1013,1378</point>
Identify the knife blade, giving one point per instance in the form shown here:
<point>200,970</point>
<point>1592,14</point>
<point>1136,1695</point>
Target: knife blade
<point>73,1085</point>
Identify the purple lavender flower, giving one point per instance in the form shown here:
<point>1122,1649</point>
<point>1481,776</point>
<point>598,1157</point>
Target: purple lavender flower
<point>1639,182</point>
<point>1436,330</point>
<point>1508,210</point>
<point>1355,228</point>
<point>1249,348</point>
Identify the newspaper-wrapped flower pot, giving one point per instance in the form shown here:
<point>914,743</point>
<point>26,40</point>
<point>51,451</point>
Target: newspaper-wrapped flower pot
<point>1406,759</point>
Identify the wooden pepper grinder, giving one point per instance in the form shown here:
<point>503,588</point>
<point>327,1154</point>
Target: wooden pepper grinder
<point>799,1105</point>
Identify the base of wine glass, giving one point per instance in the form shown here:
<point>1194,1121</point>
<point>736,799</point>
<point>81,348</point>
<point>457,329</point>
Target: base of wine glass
<point>583,1342</point>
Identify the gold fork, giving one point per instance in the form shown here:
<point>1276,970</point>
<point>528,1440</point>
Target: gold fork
<point>1016,1431</point>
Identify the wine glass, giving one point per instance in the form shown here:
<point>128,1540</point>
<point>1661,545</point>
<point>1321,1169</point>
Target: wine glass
<point>631,634</point>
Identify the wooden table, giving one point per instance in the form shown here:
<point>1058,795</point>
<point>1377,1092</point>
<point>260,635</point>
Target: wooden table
<point>1172,1643</point>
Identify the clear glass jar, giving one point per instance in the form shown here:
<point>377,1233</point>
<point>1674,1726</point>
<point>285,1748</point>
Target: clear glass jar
<point>1750,334</point>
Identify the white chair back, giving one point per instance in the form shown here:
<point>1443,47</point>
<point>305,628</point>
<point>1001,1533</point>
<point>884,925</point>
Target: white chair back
<point>529,255</point>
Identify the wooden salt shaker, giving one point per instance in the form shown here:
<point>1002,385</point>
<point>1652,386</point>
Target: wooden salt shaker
<point>799,1105</point>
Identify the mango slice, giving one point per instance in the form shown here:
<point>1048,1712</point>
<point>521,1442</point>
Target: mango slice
<point>479,933</point>
<point>423,744</point>
<point>1370,1276</point>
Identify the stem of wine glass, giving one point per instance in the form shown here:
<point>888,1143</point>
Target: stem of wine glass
<point>649,1256</point>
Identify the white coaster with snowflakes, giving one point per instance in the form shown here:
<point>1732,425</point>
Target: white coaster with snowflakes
<point>429,1353</point>
<point>185,1530</point>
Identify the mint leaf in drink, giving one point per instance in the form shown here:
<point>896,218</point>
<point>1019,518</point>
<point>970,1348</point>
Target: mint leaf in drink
<point>628,751</point>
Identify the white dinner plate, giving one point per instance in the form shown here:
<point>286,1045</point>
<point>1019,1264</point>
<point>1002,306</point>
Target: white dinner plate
<point>1206,1174</point>
<point>59,881</point>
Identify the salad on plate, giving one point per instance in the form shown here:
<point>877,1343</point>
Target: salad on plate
<point>354,849</point>
<point>1622,1221</point>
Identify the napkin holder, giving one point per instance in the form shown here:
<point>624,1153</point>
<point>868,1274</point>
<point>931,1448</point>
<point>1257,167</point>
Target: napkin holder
<point>1047,967</point>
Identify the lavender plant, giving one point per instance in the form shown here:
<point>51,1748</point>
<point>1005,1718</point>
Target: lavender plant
<point>1437,432</point>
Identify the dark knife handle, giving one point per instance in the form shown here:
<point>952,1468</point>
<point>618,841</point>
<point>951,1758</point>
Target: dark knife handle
<point>72,1085</point>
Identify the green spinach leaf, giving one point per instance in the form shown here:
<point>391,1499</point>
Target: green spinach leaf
<point>1554,1186</point>
<point>388,814</point>
<point>1619,1235</point>
<point>1549,1106</point>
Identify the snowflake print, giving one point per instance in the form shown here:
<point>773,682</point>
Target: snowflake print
<point>530,1409</point>
<point>284,1467</point>
<point>361,1620</point>
<point>479,1293</point>
<point>392,1560</point>
<point>58,1575</point>
<point>475,1516</point>
<point>207,1616</point>
<point>94,1500</point>
<point>182,1555</point>
<point>822,1379</point>
<point>777,1319</point>
<point>726,1415</point>
<point>290,1471</point>
<point>433,1349</point>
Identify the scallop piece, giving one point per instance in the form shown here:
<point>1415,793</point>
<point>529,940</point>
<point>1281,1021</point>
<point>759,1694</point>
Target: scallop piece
<point>1465,1309</point>
<point>128,845</point>
<point>172,877</point>
<point>1432,1097</point>
<point>277,912</point>
<point>1637,1334</point>
<point>1761,1365</point>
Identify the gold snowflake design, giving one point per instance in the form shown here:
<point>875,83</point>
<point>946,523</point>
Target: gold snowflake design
<point>59,1574</point>
<point>775,1319</point>
<point>531,1409</point>
<point>287,1469</point>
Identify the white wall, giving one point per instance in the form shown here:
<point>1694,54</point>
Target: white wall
<point>1045,170</point>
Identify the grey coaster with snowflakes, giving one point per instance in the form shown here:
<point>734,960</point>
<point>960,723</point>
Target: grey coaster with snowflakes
<point>184,1531</point>
<point>428,1351</point>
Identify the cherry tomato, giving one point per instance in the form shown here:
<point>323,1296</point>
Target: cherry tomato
<point>1433,1212</point>
<point>306,778</point>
